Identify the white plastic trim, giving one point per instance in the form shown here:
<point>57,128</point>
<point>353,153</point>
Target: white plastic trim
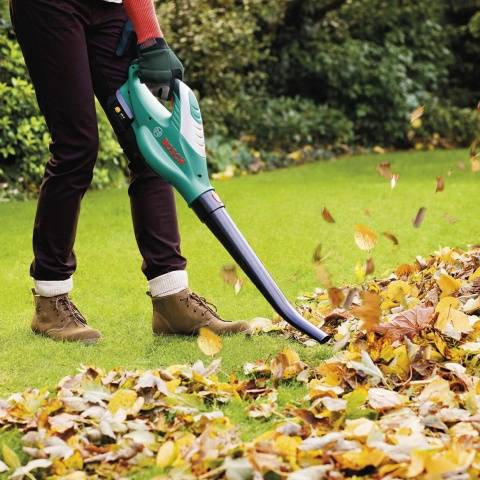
<point>190,129</point>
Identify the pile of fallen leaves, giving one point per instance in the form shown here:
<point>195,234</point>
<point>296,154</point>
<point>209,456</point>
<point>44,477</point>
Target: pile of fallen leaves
<point>399,398</point>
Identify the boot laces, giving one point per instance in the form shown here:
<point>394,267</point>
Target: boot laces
<point>64,303</point>
<point>202,303</point>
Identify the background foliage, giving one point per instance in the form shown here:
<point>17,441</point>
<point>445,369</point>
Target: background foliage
<point>287,80</point>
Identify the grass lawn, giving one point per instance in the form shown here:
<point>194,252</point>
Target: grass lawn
<point>280,214</point>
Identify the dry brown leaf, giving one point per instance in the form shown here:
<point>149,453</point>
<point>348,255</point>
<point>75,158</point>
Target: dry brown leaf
<point>417,221</point>
<point>229,274</point>
<point>208,342</point>
<point>317,254</point>
<point>416,114</point>
<point>336,296</point>
<point>365,238</point>
<point>327,216</point>
<point>323,275</point>
<point>369,311</point>
<point>440,185</point>
<point>369,266</point>
<point>407,324</point>
<point>405,270</point>
<point>391,237</point>
<point>384,169</point>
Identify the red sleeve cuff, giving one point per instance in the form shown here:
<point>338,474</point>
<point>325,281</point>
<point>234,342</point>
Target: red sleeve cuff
<point>144,18</point>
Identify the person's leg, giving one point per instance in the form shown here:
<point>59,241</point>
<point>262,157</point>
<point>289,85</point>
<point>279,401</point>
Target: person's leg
<point>152,200</point>
<point>176,309</point>
<point>52,37</point>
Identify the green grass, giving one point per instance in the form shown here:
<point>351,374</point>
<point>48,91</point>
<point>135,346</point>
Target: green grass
<point>280,214</point>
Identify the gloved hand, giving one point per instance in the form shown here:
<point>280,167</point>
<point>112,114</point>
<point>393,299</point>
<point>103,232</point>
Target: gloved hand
<point>158,67</point>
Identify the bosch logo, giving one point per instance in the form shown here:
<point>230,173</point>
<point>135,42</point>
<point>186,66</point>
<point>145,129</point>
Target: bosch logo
<point>157,132</point>
<point>172,152</point>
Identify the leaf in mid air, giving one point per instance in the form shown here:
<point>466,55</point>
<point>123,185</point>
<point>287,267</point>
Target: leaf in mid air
<point>208,342</point>
<point>365,238</point>
<point>369,311</point>
<point>416,115</point>
<point>391,237</point>
<point>417,221</point>
<point>440,185</point>
<point>327,216</point>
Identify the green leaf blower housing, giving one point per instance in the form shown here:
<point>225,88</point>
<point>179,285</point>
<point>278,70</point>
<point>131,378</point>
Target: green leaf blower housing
<point>172,143</point>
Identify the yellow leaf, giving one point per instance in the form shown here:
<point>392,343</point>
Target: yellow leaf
<point>287,446</point>
<point>474,275</point>
<point>416,115</point>
<point>10,457</point>
<point>208,342</point>
<point>443,308</point>
<point>167,454</point>
<point>448,284</point>
<point>358,460</point>
<point>365,238</point>
<point>122,399</point>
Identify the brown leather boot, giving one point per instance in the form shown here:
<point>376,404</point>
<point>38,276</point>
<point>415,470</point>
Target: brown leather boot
<point>58,318</point>
<point>185,313</point>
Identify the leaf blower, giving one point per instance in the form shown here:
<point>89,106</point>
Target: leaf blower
<point>172,144</point>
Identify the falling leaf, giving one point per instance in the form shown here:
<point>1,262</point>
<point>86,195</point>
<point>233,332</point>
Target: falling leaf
<point>10,457</point>
<point>384,169</point>
<point>461,165</point>
<point>391,237</point>
<point>367,212</point>
<point>323,275</point>
<point>416,115</point>
<point>394,180</point>
<point>237,286</point>
<point>407,324</point>
<point>369,311</point>
<point>336,297</point>
<point>369,266</point>
<point>440,185</point>
<point>208,342</point>
<point>417,221</point>
<point>317,254</point>
<point>167,454</point>
<point>475,164</point>
<point>327,216</point>
<point>365,238</point>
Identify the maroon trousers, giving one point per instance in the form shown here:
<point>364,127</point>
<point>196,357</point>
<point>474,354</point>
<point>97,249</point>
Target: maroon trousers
<point>69,48</point>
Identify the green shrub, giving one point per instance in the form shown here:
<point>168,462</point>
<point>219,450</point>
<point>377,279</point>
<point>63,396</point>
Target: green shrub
<point>445,125</point>
<point>24,137</point>
<point>289,123</point>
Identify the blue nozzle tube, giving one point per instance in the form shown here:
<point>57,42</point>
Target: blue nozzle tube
<point>212,212</point>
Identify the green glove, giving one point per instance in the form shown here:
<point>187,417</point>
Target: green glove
<point>158,67</point>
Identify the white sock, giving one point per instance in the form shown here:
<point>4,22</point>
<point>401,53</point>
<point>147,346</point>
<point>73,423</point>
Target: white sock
<point>52,288</point>
<point>168,284</point>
